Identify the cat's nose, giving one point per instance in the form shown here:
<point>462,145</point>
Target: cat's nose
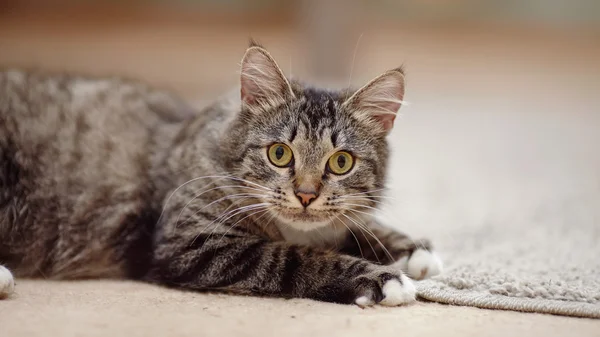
<point>306,197</point>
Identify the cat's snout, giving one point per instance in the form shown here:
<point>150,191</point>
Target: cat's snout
<point>306,197</point>
<point>307,189</point>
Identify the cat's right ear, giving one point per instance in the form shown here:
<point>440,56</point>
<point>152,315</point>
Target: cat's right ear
<point>262,81</point>
<point>380,99</point>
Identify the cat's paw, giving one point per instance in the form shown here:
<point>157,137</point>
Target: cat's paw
<point>421,264</point>
<point>7,282</point>
<point>385,289</point>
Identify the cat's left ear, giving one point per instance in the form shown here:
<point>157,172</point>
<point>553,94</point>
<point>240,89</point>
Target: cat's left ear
<point>262,81</point>
<point>380,99</point>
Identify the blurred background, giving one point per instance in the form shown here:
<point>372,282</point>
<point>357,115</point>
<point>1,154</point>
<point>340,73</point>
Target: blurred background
<point>504,115</point>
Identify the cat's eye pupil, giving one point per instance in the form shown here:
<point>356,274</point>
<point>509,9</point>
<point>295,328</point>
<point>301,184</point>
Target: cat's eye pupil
<point>279,152</point>
<point>341,161</point>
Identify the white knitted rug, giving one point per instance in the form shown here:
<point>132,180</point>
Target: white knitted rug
<point>552,267</point>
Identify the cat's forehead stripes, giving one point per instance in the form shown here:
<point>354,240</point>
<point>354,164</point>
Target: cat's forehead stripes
<point>318,112</point>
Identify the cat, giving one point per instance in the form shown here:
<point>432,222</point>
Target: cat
<point>269,191</point>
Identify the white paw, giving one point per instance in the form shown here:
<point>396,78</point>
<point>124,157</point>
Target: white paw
<point>422,264</point>
<point>396,293</point>
<point>7,282</point>
<point>364,301</point>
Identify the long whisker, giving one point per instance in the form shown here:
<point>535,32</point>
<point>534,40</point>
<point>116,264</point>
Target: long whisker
<point>382,212</point>
<point>223,198</point>
<point>367,192</point>
<point>353,235</point>
<point>228,215</point>
<point>359,205</point>
<point>232,196</point>
<point>387,252</point>
<point>236,197</point>
<point>273,216</point>
<point>242,219</point>
<point>173,193</point>
<point>256,220</point>
<point>239,212</point>
<point>361,212</point>
<point>235,203</point>
<point>367,197</point>
<point>376,203</point>
<point>363,234</point>
<point>206,177</point>
<point>241,180</point>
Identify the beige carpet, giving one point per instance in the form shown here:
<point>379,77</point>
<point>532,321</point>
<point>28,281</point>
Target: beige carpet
<point>107,308</point>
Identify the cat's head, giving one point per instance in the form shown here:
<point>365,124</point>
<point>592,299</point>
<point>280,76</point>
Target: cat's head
<point>315,155</point>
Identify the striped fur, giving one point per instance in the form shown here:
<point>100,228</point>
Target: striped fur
<point>110,178</point>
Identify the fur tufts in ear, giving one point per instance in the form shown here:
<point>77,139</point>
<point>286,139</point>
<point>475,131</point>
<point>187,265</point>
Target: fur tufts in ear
<point>262,81</point>
<point>380,99</point>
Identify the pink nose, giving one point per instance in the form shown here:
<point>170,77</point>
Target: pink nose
<point>306,197</point>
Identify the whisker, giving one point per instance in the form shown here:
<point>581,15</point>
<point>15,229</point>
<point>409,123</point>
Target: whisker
<point>359,205</point>
<point>173,193</point>
<point>361,212</point>
<point>228,213</point>
<point>212,203</point>
<point>387,252</point>
<point>238,212</point>
<point>382,212</point>
<point>353,235</point>
<point>367,197</point>
<point>242,219</point>
<point>227,216</point>
<point>366,239</point>
<point>273,216</point>
<point>377,202</point>
<point>206,177</point>
<point>367,192</point>
<point>242,180</point>
<point>231,196</point>
<point>256,220</point>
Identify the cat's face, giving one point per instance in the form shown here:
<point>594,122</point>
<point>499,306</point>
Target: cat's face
<point>314,155</point>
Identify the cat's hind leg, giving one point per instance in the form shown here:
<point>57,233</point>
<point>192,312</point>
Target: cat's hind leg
<point>7,282</point>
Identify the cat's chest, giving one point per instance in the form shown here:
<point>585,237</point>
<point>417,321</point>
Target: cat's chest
<point>327,237</point>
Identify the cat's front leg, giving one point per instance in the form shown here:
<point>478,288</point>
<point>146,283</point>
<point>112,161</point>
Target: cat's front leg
<point>387,246</point>
<point>252,265</point>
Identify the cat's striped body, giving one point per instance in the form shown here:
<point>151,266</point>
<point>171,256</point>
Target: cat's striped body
<point>107,178</point>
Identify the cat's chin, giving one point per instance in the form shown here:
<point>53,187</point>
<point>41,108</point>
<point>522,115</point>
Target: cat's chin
<point>304,221</point>
<point>307,226</point>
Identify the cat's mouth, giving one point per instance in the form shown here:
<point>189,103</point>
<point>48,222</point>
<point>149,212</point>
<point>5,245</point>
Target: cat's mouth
<point>297,217</point>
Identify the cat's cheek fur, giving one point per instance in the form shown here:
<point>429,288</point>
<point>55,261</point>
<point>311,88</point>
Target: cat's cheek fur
<point>7,282</point>
<point>421,264</point>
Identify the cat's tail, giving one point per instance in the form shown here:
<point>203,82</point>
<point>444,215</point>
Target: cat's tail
<point>7,283</point>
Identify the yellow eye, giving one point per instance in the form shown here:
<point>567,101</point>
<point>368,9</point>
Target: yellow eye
<point>340,163</point>
<point>280,155</point>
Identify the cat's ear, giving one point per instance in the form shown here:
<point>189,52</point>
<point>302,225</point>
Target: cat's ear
<point>262,81</point>
<point>380,99</point>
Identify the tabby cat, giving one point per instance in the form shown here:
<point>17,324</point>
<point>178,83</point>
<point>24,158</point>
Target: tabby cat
<point>269,192</point>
